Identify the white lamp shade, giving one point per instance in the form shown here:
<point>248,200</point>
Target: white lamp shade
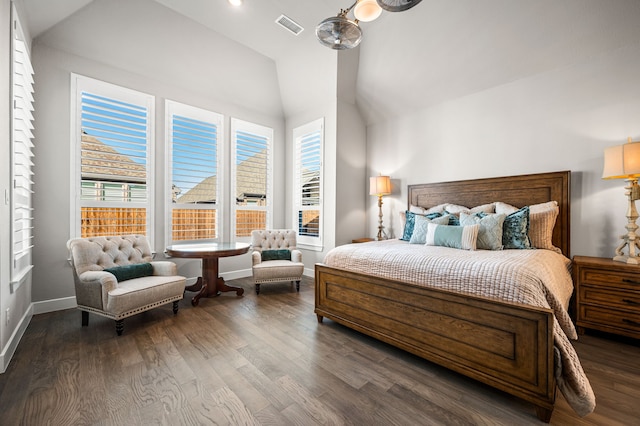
<point>379,185</point>
<point>622,161</point>
<point>367,10</point>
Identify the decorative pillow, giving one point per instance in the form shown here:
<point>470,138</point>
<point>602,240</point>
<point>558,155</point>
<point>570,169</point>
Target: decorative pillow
<point>456,208</point>
<point>409,223</point>
<point>129,272</point>
<point>283,254</point>
<point>515,230</point>
<point>490,232</point>
<point>542,219</point>
<point>454,219</point>
<point>460,237</point>
<point>419,235</point>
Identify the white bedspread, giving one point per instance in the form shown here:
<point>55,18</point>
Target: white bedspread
<point>535,277</point>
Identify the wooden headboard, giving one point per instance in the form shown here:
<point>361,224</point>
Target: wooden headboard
<point>518,191</point>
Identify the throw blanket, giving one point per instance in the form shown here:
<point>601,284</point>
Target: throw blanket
<point>536,277</point>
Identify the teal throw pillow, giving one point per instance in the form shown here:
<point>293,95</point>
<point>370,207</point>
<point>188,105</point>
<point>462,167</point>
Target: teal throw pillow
<point>409,223</point>
<point>515,230</point>
<point>491,229</point>
<point>419,235</point>
<point>284,254</point>
<point>129,272</point>
<point>460,237</point>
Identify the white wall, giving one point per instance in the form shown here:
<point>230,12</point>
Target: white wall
<point>557,120</point>
<point>154,51</point>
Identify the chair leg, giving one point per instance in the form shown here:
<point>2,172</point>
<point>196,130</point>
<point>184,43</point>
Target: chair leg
<point>85,318</point>
<point>298,286</point>
<point>257,288</point>
<point>175,307</point>
<point>119,327</point>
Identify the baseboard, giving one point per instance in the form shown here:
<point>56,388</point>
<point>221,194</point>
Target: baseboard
<point>233,275</point>
<point>54,305</point>
<point>12,344</point>
<point>309,272</point>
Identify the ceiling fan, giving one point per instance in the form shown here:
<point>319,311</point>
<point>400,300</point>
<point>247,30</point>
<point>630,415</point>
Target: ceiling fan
<point>339,32</point>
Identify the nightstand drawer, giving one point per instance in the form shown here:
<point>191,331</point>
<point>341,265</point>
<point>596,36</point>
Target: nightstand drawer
<point>605,296</point>
<point>609,278</point>
<point>603,318</point>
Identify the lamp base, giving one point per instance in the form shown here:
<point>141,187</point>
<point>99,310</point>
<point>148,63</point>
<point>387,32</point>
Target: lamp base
<point>631,260</point>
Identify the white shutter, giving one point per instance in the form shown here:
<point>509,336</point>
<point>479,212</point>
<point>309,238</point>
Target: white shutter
<point>22,158</point>
<point>251,178</point>
<point>195,172</point>
<point>307,197</point>
<point>113,175</point>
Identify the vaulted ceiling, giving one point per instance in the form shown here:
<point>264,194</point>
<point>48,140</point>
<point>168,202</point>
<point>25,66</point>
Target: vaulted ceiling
<point>411,60</point>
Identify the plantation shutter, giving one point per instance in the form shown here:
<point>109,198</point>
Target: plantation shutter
<point>114,150</point>
<point>22,161</point>
<point>252,177</point>
<point>308,182</point>
<point>195,172</point>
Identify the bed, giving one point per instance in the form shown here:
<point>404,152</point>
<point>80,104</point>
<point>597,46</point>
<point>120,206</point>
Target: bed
<point>515,347</point>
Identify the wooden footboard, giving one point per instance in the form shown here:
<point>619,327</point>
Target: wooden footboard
<point>505,345</point>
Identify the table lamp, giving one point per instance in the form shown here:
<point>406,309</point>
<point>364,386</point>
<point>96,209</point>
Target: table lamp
<point>623,162</point>
<point>380,185</point>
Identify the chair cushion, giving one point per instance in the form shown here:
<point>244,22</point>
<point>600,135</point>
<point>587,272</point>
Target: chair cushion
<point>140,294</point>
<point>278,270</point>
<point>129,272</point>
<point>283,254</point>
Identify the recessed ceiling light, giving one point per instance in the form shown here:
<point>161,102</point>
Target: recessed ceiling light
<point>236,2</point>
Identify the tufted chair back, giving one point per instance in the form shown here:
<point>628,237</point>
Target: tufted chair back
<point>273,239</point>
<point>99,253</point>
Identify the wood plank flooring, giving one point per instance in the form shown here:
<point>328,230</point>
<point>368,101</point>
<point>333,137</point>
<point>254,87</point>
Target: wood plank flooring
<point>264,360</point>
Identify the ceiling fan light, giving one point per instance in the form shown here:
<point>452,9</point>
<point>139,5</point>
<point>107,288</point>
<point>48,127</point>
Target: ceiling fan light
<point>236,2</point>
<point>367,10</point>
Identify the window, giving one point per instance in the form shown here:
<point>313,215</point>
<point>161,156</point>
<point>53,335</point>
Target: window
<point>251,178</point>
<point>112,156</point>
<point>195,173</point>
<point>22,156</point>
<point>307,183</point>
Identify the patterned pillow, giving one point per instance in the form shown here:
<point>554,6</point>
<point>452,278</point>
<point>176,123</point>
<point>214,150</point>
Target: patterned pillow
<point>542,220</point>
<point>515,230</point>
<point>490,232</point>
<point>419,235</point>
<point>409,223</point>
<point>460,237</point>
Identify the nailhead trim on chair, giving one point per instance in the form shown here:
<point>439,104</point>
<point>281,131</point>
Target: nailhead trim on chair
<point>131,312</point>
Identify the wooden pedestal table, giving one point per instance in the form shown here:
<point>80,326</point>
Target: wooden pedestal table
<point>209,284</point>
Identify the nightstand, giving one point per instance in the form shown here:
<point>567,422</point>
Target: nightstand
<point>362,240</point>
<point>607,295</point>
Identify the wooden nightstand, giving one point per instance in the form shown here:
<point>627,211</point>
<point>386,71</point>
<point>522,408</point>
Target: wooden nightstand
<point>362,240</point>
<point>607,295</point>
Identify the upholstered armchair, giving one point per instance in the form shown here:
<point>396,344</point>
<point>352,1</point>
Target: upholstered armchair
<point>275,257</point>
<point>116,278</point>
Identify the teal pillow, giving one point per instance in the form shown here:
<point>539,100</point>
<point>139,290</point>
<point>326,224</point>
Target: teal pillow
<point>515,230</point>
<point>284,254</point>
<point>419,235</point>
<point>129,272</point>
<point>491,229</point>
<point>409,223</point>
<point>460,237</point>
<point>454,219</point>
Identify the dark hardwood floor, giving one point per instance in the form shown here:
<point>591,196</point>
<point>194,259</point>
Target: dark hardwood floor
<point>265,360</point>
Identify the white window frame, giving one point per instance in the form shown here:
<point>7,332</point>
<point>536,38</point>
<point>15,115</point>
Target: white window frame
<point>306,241</point>
<point>176,108</point>
<point>21,194</point>
<point>80,84</point>
<point>238,125</point>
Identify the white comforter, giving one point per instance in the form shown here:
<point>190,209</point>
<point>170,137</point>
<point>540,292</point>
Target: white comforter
<point>535,277</point>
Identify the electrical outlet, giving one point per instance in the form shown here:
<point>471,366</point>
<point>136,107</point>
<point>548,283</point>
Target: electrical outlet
<point>7,317</point>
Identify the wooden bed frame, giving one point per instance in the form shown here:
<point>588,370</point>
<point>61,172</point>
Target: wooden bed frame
<point>506,345</point>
